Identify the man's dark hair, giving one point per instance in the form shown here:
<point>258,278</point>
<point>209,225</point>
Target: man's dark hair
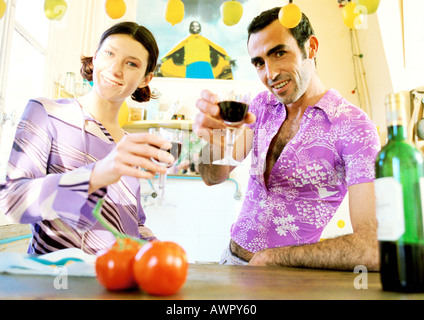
<point>301,32</point>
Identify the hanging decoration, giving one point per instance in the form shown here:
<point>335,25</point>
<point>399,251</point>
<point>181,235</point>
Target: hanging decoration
<point>55,9</point>
<point>290,15</point>
<point>231,12</point>
<point>2,8</point>
<point>115,9</point>
<point>371,5</point>
<point>174,11</point>
<point>352,17</point>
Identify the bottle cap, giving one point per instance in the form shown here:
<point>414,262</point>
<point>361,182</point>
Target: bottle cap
<point>395,98</point>
<point>396,108</point>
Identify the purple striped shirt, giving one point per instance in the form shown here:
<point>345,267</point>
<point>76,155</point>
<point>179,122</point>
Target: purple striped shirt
<point>55,148</point>
<point>335,147</point>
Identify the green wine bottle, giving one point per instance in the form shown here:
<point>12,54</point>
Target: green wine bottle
<point>399,188</point>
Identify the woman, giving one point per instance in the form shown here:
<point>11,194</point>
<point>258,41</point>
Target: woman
<point>69,153</point>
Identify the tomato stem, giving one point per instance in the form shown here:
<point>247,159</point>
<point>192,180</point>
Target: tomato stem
<point>118,235</point>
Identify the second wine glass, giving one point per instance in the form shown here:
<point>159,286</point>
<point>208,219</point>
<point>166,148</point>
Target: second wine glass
<point>175,136</point>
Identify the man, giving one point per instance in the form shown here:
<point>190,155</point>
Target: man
<point>309,147</point>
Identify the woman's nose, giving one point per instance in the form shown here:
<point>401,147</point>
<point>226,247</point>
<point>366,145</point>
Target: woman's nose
<point>116,68</point>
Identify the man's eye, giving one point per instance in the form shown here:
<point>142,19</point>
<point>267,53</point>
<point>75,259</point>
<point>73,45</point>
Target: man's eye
<point>280,53</point>
<point>258,64</point>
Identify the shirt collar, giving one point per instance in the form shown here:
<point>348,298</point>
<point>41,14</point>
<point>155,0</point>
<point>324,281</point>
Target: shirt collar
<point>328,103</point>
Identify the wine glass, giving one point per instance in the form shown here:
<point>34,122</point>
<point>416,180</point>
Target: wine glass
<point>233,106</point>
<point>175,136</point>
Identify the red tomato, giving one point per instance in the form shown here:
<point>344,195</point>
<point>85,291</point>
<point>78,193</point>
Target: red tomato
<point>114,268</point>
<point>160,268</point>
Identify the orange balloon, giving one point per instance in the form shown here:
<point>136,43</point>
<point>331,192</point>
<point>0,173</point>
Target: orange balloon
<point>290,15</point>
<point>351,16</point>
<point>371,5</point>
<point>2,8</point>
<point>231,12</point>
<point>174,11</point>
<point>55,9</point>
<point>115,9</point>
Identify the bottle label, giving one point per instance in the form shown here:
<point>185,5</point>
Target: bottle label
<point>389,208</point>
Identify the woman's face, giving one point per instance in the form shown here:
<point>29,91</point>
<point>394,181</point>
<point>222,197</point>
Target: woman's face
<point>119,67</point>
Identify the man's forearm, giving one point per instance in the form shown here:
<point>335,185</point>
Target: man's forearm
<point>212,174</point>
<point>341,253</point>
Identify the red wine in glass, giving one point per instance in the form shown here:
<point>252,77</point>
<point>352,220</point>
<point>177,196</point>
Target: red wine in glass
<point>233,112</point>
<point>175,151</point>
<point>233,106</point>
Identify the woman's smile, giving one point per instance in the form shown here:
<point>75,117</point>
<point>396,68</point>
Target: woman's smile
<point>113,83</point>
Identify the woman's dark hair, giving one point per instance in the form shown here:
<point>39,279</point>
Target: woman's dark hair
<point>138,33</point>
<point>301,32</point>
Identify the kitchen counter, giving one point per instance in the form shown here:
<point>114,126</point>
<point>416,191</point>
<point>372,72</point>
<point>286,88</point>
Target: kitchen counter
<point>218,282</point>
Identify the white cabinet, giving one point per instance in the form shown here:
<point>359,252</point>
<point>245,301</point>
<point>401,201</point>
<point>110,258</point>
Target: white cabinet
<point>201,219</point>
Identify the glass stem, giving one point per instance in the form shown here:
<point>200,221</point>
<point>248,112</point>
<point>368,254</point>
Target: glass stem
<point>230,138</point>
<point>162,181</point>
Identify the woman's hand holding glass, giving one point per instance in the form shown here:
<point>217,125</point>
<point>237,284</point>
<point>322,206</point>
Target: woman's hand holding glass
<point>132,156</point>
<point>175,137</point>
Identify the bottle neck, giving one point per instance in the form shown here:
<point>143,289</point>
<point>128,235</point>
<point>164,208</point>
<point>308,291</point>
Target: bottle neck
<point>397,132</point>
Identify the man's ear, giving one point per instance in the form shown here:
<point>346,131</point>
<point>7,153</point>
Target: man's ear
<point>311,47</point>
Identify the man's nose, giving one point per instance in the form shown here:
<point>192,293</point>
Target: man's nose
<point>272,72</point>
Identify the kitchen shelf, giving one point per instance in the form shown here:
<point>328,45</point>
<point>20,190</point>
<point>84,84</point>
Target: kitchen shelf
<point>145,124</point>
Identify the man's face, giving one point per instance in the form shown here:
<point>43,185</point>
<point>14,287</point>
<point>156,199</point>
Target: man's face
<point>279,62</point>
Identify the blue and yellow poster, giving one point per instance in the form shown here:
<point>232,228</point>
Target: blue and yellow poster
<point>201,46</point>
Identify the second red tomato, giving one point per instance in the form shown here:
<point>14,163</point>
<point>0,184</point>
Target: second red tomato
<point>160,268</point>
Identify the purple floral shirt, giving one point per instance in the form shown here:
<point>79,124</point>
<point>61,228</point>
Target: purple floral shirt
<point>335,147</point>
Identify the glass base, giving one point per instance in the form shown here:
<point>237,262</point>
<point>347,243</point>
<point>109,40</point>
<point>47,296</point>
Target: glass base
<point>227,161</point>
<point>163,203</point>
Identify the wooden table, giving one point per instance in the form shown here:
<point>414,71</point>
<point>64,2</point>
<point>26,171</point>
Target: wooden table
<point>216,282</point>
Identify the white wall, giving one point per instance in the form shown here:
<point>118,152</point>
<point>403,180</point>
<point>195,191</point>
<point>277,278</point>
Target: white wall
<point>78,33</point>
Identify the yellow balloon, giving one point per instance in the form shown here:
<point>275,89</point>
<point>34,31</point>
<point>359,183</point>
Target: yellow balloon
<point>2,8</point>
<point>352,17</point>
<point>290,15</point>
<point>123,114</point>
<point>231,12</point>
<point>174,11</point>
<point>371,5</point>
<point>115,9</point>
<point>55,9</point>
